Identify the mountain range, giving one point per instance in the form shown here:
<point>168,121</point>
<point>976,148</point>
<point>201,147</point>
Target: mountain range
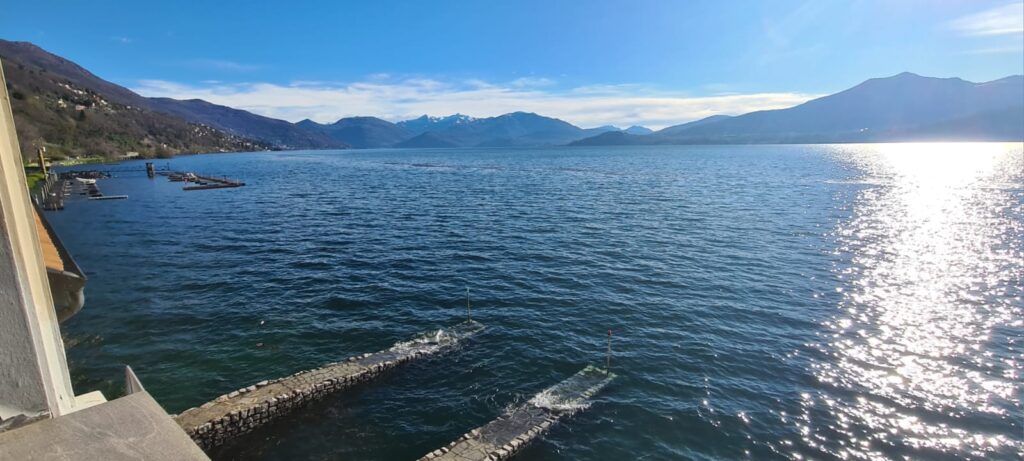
<point>56,114</point>
<point>61,105</point>
<point>904,107</point>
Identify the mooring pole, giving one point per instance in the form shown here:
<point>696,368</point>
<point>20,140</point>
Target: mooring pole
<point>469,313</point>
<point>42,160</point>
<point>608,359</point>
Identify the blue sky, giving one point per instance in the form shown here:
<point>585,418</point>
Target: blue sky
<point>655,63</point>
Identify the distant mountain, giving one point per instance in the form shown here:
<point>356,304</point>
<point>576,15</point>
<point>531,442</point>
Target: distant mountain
<point>426,140</point>
<point>905,107</point>
<point>228,128</point>
<point>638,130</point>
<point>65,107</point>
<point>599,130</point>
<point>638,137</point>
<point>360,132</point>
<point>259,131</point>
<point>30,55</point>
<point>278,133</point>
<point>1000,125</point>
<point>515,129</point>
<point>70,111</point>
<point>610,135</point>
<point>613,138</point>
<point>427,123</point>
<point>672,130</point>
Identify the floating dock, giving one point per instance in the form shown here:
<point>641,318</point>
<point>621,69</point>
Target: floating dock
<point>209,182</point>
<point>244,410</point>
<point>201,182</point>
<point>504,437</point>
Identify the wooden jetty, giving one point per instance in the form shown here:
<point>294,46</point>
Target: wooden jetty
<point>504,437</point>
<point>244,410</point>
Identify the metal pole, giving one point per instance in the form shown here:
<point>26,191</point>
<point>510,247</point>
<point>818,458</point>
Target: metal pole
<point>608,359</point>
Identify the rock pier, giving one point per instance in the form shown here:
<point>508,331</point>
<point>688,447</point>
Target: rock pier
<point>504,437</point>
<point>244,410</point>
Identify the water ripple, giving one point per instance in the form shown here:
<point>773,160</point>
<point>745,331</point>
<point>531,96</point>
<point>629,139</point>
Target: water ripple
<point>767,302</point>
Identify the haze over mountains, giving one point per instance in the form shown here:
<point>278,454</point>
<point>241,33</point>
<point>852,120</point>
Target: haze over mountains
<point>59,104</point>
<point>905,107</point>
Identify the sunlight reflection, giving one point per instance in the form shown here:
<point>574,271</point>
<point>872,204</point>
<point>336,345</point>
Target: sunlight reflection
<point>932,260</point>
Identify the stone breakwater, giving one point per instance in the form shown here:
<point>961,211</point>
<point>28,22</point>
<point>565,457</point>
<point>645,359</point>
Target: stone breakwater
<point>243,410</point>
<point>505,436</point>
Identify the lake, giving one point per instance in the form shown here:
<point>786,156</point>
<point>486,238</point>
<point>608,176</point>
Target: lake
<point>766,302</point>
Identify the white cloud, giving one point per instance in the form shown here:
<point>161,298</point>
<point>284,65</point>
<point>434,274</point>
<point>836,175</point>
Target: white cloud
<point>1016,48</point>
<point>393,99</point>
<point>531,82</point>
<point>1002,20</point>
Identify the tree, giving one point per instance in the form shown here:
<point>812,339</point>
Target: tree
<point>163,152</point>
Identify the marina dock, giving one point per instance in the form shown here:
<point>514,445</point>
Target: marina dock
<point>504,437</point>
<point>244,410</point>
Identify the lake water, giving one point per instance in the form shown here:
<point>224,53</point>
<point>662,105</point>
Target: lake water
<point>767,302</point>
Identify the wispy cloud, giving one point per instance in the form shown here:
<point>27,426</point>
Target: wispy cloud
<point>124,40</point>
<point>532,82</point>
<point>1002,20</point>
<point>398,99</point>
<point>221,65</point>
<point>1014,48</point>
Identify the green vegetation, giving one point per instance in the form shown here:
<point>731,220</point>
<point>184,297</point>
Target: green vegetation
<point>73,120</point>
<point>163,152</point>
<point>34,178</point>
<point>81,160</point>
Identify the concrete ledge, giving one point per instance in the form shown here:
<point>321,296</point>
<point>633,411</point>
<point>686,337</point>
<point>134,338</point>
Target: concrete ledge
<point>130,428</point>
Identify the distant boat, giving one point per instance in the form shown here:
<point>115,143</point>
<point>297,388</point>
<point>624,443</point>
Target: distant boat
<point>85,181</point>
<point>182,177</point>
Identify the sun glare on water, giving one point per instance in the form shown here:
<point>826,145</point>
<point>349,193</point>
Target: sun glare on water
<point>926,346</point>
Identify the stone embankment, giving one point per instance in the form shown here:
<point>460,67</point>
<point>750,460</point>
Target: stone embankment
<point>504,437</point>
<point>244,410</point>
